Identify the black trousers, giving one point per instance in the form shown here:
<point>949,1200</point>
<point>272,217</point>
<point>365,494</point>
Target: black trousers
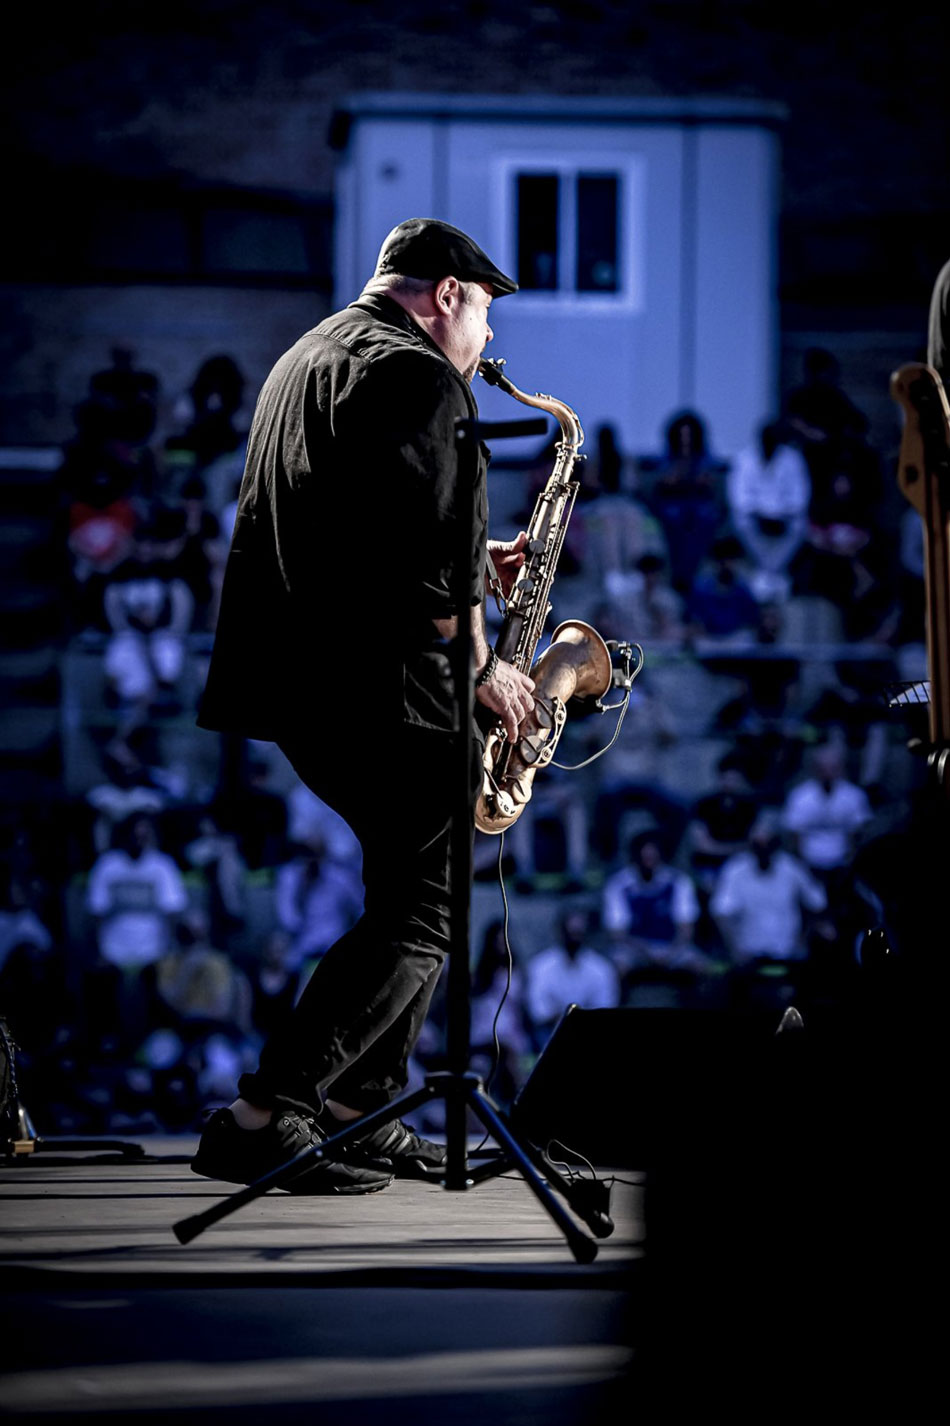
<point>352,1031</point>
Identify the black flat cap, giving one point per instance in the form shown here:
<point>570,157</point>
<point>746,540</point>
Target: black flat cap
<point>429,248</point>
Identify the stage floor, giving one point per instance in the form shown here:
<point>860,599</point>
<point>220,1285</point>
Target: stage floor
<point>462,1306</point>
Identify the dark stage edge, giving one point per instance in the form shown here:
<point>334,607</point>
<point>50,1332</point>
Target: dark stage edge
<point>400,1306</point>
<point>86,1217</point>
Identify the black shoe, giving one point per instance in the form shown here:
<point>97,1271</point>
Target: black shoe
<point>393,1146</point>
<point>238,1155</point>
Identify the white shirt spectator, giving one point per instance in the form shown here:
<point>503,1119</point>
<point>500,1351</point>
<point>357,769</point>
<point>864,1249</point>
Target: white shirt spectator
<point>764,906</point>
<point>825,820</point>
<point>556,980</point>
<point>768,492</point>
<point>775,489</point>
<point>136,896</point>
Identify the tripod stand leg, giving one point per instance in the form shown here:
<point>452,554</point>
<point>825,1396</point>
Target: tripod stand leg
<point>584,1250</point>
<point>589,1198</point>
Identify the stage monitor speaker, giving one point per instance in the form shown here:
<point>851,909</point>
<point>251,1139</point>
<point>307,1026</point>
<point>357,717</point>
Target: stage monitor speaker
<point>624,1086</point>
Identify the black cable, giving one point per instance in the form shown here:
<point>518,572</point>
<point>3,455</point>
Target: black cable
<point>622,706</point>
<point>496,1042</point>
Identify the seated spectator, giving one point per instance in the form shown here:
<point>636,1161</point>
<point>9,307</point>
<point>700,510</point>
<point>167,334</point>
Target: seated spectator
<point>618,528</point>
<point>130,394</point>
<point>200,990</point>
<point>126,789</point>
<point>848,557</point>
<point>825,813</point>
<point>102,520</point>
<point>685,496</point>
<point>201,553</point>
<point>821,417</point>
<point>641,604</point>
<point>760,898</point>
<point>549,841</point>
<point>721,605</point>
<point>848,708</point>
<point>148,609</point>
<point>568,973</point>
<point>107,478</point>
<point>135,893</point>
<point>212,442</point>
<point>765,682</point>
<point>498,1013</point>
<point>768,491</point>
<point>650,910</point>
<point>317,900</point>
<point>720,822</point>
<point>214,851</point>
<point>639,775</point>
<point>21,921</point>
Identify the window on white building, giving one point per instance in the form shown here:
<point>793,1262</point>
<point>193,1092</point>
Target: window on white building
<point>567,226</point>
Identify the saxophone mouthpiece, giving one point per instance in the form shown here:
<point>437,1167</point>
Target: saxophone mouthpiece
<point>491,369</point>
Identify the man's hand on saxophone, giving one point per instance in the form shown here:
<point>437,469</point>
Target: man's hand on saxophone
<point>508,693</point>
<point>504,690</point>
<point>508,556</point>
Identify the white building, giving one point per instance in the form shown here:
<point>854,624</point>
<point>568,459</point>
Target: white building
<point>642,233</point>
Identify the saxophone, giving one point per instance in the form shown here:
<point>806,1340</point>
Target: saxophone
<point>575,664</point>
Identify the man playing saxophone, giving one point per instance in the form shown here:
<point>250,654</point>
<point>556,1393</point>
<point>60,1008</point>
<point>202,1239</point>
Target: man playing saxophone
<point>332,639</point>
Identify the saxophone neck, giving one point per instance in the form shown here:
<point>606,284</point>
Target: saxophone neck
<point>572,432</point>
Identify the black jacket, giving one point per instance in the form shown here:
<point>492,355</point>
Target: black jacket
<point>344,545</point>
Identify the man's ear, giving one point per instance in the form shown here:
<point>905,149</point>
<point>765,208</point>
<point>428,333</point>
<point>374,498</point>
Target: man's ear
<point>447,294</point>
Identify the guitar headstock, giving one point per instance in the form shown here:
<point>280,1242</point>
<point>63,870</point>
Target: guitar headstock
<point>925,445</point>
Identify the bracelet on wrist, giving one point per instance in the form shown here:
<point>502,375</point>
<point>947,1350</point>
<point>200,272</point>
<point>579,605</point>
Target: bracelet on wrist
<point>491,663</point>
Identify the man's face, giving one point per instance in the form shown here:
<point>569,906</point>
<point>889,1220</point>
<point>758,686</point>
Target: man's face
<point>464,332</point>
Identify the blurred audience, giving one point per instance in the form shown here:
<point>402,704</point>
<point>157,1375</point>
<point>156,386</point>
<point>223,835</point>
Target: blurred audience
<point>201,553</point>
<point>685,495</point>
<point>721,604</point>
<point>650,909</point>
<point>500,1032</point>
<point>768,492</point>
<point>680,552</point>
<point>761,898</point>
<point>135,894</point>
<point>211,443</point>
<point>825,814</point>
<point>720,822</point>
<point>641,604</point>
<point>569,972</point>
<point>317,900</point>
<point>148,608</point>
<point>618,527</point>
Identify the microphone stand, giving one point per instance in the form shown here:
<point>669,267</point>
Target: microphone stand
<point>459,1087</point>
